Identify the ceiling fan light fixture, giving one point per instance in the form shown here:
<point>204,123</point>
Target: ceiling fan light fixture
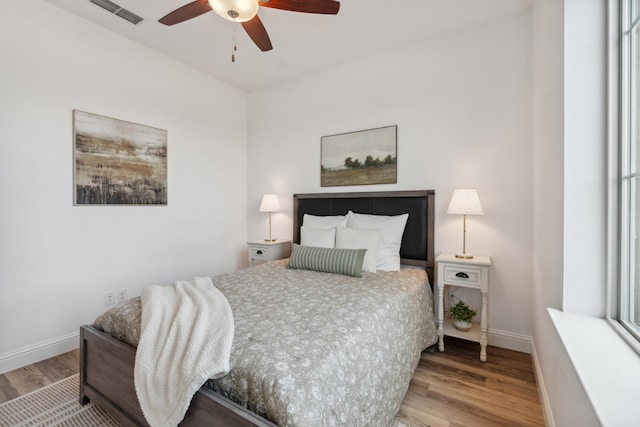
<point>235,10</point>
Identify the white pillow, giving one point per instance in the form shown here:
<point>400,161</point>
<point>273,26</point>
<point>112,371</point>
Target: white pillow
<point>352,238</point>
<point>391,230</point>
<point>324,222</point>
<point>318,237</point>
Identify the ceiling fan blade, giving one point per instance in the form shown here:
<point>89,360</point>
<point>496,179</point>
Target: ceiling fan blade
<point>186,12</point>
<point>328,7</point>
<point>258,33</point>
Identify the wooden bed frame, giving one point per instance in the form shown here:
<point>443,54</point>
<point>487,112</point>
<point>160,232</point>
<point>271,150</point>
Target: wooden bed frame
<point>106,364</point>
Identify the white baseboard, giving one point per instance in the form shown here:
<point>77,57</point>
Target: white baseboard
<point>509,340</point>
<point>542,390</point>
<point>34,353</point>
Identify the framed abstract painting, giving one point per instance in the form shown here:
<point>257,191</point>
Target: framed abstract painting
<point>118,162</point>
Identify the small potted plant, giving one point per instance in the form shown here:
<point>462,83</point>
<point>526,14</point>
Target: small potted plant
<point>462,315</point>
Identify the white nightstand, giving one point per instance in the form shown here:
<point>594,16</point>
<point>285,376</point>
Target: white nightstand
<point>466,273</point>
<point>268,251</point>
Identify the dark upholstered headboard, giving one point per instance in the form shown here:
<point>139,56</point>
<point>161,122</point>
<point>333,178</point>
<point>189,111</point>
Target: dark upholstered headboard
<point>417,240</point>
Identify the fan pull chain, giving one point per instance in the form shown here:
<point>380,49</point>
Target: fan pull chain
<point>235,47</point>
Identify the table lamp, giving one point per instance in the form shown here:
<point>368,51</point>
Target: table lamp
<point>269,204</point>
<point>465,202</point>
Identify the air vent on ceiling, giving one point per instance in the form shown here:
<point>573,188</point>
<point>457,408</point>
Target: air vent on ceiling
<point>114,8</point>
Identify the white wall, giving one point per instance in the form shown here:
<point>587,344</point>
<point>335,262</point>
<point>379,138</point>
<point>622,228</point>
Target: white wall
<point>56,260</point>
<point>566,220</point>
<point>585,104</point>
<point>462,104</point>
<point>548,157</point>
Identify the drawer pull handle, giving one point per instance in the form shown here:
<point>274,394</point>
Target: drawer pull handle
<point>462,275</point>
<point>259,252</point>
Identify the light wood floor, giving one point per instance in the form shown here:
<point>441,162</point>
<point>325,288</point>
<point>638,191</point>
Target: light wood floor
<point>455,388</point>
<point>32,377</point>
<point>448,389</point>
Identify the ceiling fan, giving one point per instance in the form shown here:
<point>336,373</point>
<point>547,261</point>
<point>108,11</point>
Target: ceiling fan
<point>246,12</point>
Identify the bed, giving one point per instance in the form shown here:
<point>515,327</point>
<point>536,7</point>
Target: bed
<point>107,363</point>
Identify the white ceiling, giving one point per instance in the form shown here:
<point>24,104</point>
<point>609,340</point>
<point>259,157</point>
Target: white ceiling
<point>301,42</point>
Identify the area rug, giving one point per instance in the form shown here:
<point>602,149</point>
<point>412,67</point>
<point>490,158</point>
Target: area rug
<point>57,405</point>
<point>54,405</point>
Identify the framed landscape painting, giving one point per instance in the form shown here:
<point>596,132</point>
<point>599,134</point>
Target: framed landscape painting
<point>118,162</point>
<point>360,158</point>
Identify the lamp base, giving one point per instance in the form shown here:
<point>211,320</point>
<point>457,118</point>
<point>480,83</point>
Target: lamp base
<point>464,255</point>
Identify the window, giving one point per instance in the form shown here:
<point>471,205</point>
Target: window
<point>628,167</point>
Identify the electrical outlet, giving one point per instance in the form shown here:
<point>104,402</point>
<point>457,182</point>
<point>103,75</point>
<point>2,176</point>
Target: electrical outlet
<point>121,295</point>
<point>109,298</point>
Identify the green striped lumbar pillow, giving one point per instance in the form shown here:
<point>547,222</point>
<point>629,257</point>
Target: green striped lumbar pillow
<point>328,260</point>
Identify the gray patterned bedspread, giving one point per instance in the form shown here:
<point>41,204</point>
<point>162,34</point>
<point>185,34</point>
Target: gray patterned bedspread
<point>316,349</point>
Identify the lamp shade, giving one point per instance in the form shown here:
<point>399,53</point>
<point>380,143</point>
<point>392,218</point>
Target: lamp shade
<point>465,201</point>
<point>235,10</point>
<point>269,203</point>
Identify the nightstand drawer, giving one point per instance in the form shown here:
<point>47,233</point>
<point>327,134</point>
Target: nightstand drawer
<point>462,275</point>
<point>259,252</point>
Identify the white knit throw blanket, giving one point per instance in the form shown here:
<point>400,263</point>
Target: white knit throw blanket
<point>185,338</point>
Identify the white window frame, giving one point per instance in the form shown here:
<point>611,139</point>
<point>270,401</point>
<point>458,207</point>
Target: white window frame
<point>622,125</point>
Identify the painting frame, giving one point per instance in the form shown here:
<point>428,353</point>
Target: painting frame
<point>364,157</point>
<point>117,162</point>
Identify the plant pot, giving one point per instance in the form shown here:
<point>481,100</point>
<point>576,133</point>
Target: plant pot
<point>462,325</point>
